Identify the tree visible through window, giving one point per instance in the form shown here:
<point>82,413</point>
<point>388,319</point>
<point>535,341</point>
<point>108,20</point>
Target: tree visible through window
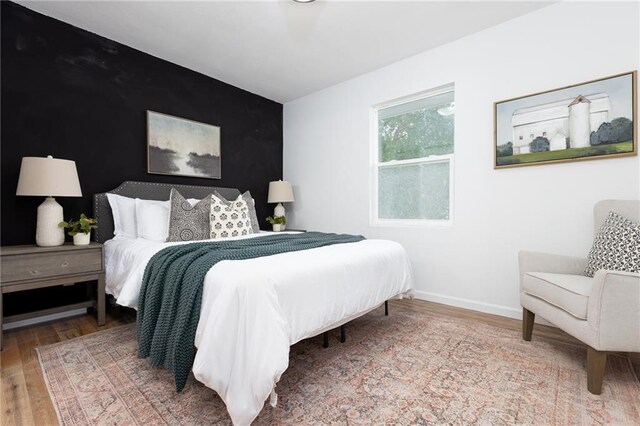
<point>413,172</point>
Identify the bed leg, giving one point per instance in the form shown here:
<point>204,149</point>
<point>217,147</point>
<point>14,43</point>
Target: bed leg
<point>326,340</point>
<point>386,308</point>
<point>343,335</point>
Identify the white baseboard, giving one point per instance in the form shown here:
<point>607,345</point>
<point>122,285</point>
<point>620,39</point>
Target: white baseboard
<point>474,305</point>
<point>44,318</point>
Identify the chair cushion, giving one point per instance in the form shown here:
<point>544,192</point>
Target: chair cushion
<point>567,292</point>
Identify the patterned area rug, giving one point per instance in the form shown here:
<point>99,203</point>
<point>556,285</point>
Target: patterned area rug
<point>408,368</point>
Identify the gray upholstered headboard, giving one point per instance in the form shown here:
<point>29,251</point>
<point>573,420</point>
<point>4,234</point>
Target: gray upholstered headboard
<point>148,191</point>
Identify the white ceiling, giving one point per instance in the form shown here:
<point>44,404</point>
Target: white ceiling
<point>283,50</point>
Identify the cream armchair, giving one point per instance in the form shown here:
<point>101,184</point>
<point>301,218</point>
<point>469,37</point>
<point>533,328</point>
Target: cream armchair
<point>603,311</point>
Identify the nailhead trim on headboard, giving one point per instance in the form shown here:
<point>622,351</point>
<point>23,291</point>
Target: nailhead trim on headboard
<point>145,190</point>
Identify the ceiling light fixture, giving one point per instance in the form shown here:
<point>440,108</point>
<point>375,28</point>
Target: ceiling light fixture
<point>304,1</point>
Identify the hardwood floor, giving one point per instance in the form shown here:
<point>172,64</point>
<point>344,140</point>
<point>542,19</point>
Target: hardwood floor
<point>25,399</point>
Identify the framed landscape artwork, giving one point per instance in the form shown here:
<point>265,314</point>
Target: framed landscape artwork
<point>591,120</point>
<point>181,147</point>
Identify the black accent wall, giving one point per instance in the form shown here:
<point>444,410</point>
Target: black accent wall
<point>75,95</point>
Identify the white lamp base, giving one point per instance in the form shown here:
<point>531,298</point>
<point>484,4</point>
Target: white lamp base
<point>279,211</point>
<point>48,233</point>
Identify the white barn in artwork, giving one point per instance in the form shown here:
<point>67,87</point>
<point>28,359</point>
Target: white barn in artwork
<point>569,120</point>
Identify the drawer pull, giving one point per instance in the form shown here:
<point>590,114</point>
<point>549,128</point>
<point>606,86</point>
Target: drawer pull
<point>35,272</point>
<point>65,264</point>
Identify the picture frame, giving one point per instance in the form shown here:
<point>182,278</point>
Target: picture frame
<point>596,119</point>
<point>182,147</point>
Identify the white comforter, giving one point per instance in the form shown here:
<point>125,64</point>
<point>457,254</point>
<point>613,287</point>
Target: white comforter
<point>253,310</point>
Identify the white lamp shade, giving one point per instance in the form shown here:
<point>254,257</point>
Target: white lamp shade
<point>48,177</point>
<point>280,192</point>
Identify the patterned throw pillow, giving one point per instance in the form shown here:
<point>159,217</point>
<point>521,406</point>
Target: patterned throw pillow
<point>616,247</point>
<point>229,218</point>
<point>187,222</point>
<point>253,217</point>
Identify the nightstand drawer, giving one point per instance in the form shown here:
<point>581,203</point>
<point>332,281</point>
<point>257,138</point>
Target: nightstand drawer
<point>37,266</point>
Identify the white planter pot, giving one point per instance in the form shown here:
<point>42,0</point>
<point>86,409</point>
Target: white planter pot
<point>81,239</point>
<point>278,228</point>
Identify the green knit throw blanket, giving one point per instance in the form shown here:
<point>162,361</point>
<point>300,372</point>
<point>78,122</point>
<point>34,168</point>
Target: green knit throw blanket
<point>171,293</point>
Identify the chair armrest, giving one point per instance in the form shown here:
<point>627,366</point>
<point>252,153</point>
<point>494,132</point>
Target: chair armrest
<point>552,263</point>
<point>614,310</point>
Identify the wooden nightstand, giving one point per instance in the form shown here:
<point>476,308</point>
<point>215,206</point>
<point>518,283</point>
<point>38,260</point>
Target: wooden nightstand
<point>29,267</point>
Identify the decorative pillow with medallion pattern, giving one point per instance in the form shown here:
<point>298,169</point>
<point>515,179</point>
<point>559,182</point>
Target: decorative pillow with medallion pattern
<point>229,218</point>
<point>616,247</point>
<point>188,222</point>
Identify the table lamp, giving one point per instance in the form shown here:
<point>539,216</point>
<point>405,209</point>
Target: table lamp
<point>280,192</point>
<point>48,177</point>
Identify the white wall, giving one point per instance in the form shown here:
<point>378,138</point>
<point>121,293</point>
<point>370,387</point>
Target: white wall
<point>497,212</point>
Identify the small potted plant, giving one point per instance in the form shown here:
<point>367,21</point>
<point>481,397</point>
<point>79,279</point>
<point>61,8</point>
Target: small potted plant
<point>278,222</point>
<point>80,229</point>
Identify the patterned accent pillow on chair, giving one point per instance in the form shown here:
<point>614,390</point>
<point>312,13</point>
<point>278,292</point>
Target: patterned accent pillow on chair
<point>616,247</point>
<point>229,218</point>
<point>187,222</point>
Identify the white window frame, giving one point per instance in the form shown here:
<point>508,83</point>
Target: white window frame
<point>374,220</point>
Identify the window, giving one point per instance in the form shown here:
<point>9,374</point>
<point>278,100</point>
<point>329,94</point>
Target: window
<point>413,160</point>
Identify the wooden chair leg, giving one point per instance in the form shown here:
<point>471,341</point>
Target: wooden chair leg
<point>343,334</point>
<point>325,344</point>
<point>386,308</point>
<point>527,324</point>
<point>596,363</point>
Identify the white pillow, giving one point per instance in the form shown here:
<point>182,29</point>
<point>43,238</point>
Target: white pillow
<point>124,216</point>
<point>152,218</point>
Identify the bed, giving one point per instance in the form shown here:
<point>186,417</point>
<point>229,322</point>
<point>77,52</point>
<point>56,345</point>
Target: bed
<point>253,310</point>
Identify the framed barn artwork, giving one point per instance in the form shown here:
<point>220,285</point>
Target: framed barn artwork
<point>591,120</point>
<point>181,147</point>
